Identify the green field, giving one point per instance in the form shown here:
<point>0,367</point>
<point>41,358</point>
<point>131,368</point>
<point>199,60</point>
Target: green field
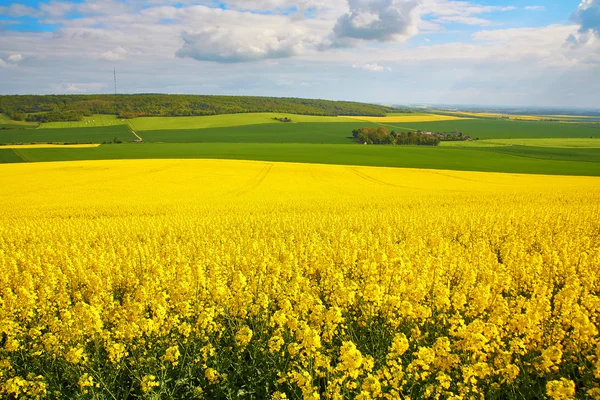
<point>7,123</point>
<point>225,120</point>
<point>306,132</point>
<point>519,160</point>
<point>543,142</point>
<point>505,146</point>
<point>97,120</point>
<point>67,135</point>
<point>169,123</point>
<point>502,129</point>
<point>9,156</point>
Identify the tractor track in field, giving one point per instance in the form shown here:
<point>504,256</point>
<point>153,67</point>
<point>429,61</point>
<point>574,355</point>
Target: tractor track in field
<point>252,183</point>
<point>371,179</point>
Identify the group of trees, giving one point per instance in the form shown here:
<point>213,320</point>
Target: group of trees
<point>68,107</point>
<point>381,135</point>
<point>52,116</point>
<point>283,119</point>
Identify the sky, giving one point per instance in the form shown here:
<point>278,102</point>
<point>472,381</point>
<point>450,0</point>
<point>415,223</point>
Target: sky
<point>480,52</point>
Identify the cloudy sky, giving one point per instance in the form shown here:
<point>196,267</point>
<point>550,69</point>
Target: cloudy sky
<point>493,52</point>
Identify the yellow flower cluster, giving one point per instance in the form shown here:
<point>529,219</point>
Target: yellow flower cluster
<point>222,279</point>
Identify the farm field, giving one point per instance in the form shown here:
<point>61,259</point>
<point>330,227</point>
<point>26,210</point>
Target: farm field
<point>307,132</point>
<point>505,146</point>
<point>9,156</point>
<point>215,278</point>
<point>171,123</point>
<point>7,123</point>
<point>518,117</point>
<point>516,159</point>
<point>96,120</point>
<point>502,129</point>
<point>409,118</point>
<point>547,142</point>
<point>67,135</point>
<point>49,146</point>
<point>226,120</point>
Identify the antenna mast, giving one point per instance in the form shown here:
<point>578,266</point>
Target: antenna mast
<point>115,74</point>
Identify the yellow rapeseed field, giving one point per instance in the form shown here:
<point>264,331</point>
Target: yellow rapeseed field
<point>231,279</point>
<point>409,118</point>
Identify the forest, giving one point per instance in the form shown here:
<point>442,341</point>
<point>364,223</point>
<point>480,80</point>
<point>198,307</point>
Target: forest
<point>52,108</point>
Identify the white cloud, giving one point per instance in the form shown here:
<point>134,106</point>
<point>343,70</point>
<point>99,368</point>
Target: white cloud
<point>461,8</point>
<point>535,8</point>
<point>17,10</point>
<point>374,67</point>
<point>104,7</point>
<point>233,36</point>
<point>588,17</point>
<point>464,20</point>
<point>15,58</point>
<point>56,8</point>
<point>495,64</point>
<point>377,20</point>
<point>238,45</point>
<point>117,54</point>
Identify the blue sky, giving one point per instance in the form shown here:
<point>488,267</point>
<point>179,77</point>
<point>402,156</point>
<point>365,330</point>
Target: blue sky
<point>522,52</point>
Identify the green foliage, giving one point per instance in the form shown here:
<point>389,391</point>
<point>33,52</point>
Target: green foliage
<point>68,115</point>
<point>138,105</point>
<point>381,135</point>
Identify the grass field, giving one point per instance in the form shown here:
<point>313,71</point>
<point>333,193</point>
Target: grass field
<point>546,142</point>
<point>306,132</point>
<point>9,156</point>
<point>7,123</point>
<point>173,123</point>
<point>97,120</point>
<point>502,129</point>
<point>340,132</point>
<point>49,146</point>
<point>506,146</point>
<point>226,120</point>
<point>514,159</point>
<point>67,135</point>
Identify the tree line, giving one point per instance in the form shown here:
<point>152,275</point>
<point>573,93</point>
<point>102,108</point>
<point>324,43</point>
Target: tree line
<point>381,135</point>
<point>49,108</point>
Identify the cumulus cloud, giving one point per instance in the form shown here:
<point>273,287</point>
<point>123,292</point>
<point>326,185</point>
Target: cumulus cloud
<point>588,17</point>
<point>374,67</point>
<point>15,58</point>
<point>117,54</point>
<point>3,63</point>
<point>587,39</point>
<point>377,20</point>
<point>229,45</point>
